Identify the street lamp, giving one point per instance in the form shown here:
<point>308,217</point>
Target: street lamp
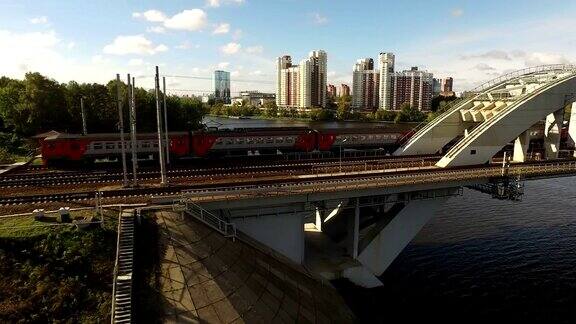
<point>343,141</point>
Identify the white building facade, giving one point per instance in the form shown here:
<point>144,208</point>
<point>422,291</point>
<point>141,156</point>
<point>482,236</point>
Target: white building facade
<point>303,85</point>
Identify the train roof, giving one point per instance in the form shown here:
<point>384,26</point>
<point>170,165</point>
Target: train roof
<point>256,131</point>
<point>54,135</point>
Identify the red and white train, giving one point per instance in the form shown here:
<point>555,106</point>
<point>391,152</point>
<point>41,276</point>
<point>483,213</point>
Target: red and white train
<point>57,146</point>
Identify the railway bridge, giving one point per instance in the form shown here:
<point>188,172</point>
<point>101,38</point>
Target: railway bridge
<point>354,224</point>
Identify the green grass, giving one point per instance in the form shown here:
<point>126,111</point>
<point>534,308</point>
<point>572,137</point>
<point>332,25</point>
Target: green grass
<point>56,274</point>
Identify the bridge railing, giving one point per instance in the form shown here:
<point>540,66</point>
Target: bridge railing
<point>478,90</point>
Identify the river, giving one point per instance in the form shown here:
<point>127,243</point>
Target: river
<point>479,259</point>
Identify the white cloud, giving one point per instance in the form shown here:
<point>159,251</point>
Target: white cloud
<point>152,15</point>
<point>257,72</point>
<point>494,54</point>
<point>217,3</point>
<point>136,44</point>
<point>318,19</point>
<point>255,49</point>
<point>221,29</point>
<point>156,29</point>
<point>39,20</point>
<point>457,12</point>
<point>539,58</point>
<point>223,65</point>
<point>99,59</point>
<point>191,20</point>
<point>235,73</point>
<point>484,67</point>
<point>231,48</point>
<point>187,45</point>
<point>136,62</point>
<point>70,45</point>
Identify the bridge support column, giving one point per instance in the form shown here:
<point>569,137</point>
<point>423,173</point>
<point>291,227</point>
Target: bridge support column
<point>552,133</point>
<point>283,233</point>
<point>354,231</point>
<point>572,128</point>
<point>521,147</point>
<point>401,229</point>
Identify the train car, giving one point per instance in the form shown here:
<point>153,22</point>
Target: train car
<point>386,138</point>
<point>74,147</point>
<point>241,141</point>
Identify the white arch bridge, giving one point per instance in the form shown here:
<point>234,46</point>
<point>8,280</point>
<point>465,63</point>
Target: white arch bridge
<point>498,112</point>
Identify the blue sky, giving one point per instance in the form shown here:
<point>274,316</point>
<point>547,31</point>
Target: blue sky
<point>91,41</point>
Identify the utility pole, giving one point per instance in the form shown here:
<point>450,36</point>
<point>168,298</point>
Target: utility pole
<point>121,128</point>
<point>84,128</point>
<point>159,123</point>
<point>166,122</point>
<point>132,105</point>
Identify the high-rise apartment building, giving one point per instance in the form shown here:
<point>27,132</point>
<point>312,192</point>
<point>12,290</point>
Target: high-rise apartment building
<point>303,85</point>
<point>447,84</point>
<point>331,91</point>
<point>396,88</point>
<point>365,85</point>
<point>386,61</point>
<point>222,86</point>
<point>413,87</point>
<point>343,90</point>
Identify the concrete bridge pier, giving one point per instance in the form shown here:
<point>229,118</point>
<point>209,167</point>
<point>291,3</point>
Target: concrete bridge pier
<point>552,130</point>
<point>399,229</point>
<point>521,147</point>
<point>572,128</point>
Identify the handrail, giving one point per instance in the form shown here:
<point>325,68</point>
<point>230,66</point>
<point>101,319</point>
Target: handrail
<point>115,274</point>
<point>479,90</point>
<point>216,222</point>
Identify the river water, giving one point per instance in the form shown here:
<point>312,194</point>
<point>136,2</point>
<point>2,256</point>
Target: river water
<point>483,260</point>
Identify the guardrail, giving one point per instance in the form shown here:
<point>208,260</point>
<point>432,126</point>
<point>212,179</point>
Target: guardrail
<point>383,181</point>
<point>205,216</point>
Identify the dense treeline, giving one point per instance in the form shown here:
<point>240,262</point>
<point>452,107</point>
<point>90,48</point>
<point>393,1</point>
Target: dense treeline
<point>38,104</point>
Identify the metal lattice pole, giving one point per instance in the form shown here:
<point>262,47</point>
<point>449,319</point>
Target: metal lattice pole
<point>167,141</point>
<point>159,124</point>
<point>132,106</point>
<point>121,128</point>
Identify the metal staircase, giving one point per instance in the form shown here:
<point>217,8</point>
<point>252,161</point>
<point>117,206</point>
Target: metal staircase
<point>205,216</point>
<point>122,287</point>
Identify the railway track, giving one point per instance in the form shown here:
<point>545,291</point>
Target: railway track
<point>64,178</point>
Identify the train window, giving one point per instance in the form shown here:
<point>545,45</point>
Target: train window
<point>354,138</point>
<point>370,137</point>
<point>378,137</point>
<point>110,146</point>
<point>239,140</point>
<point>97,146</point>
<point>145,145</point>
<point>269,140</point>
<point>289,139</point>
<point>279,140</point>
<point>219,141</point>
<point>249,140</point>
<point>362,138</point>
<point>260,140</point>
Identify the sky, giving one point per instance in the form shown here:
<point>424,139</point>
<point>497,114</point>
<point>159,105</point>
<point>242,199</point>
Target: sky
<point>90,41</point>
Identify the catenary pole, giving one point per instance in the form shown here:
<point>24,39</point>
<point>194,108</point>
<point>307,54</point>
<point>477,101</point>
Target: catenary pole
<point>166,140</point>
<point>84,127</point>
<point>159,124</point>
<point>132,131</point>
<point>121,128</point>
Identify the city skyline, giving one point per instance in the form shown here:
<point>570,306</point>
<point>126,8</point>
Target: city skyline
<point>92,42</point>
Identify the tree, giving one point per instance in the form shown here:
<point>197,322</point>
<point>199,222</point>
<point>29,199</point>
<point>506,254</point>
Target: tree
<point>409,114</point>
<point>271,109</point>
<point>344,106</point>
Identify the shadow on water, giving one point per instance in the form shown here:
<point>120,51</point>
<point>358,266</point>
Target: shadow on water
<point>526,276</point>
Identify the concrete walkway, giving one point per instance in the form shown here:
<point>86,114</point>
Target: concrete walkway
<point>209,279</point>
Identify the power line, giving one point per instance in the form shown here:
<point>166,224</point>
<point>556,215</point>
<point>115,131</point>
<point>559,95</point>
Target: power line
<point>210,78</point>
